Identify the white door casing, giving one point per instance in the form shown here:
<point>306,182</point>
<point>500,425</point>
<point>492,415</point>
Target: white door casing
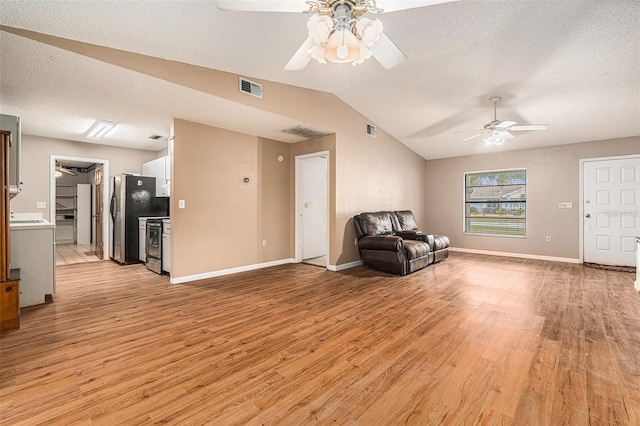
<point>312,217</point>
<point>611,210</point>
<point>106,195</point>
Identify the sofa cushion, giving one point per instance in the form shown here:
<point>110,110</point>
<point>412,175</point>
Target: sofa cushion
<point>406,220</point>
<point>416,249</point>
<point>440,242</point>
<point>378,223</point>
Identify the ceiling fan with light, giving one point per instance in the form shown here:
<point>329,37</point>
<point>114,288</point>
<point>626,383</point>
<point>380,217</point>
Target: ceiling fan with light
<point>498,131</point>
<point>338,32</point>
<point>60,169</point>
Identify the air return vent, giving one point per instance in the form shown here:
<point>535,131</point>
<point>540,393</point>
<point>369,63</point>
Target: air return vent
<point>371,130</point>
<point>250,88</point>
<point>305,132</point>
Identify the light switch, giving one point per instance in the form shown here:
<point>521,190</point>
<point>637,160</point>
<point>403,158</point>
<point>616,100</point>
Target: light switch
<point>565,205</point>
<point>181,204</point>
<point>41,205</point>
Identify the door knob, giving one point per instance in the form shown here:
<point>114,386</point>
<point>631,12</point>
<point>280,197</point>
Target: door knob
<point>588,216</point>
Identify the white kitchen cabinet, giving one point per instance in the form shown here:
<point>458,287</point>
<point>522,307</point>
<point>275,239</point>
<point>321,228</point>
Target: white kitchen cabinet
<point>160,168</point>
<point>166,245</point>
<point>149,169</point>
<point>32,250</point>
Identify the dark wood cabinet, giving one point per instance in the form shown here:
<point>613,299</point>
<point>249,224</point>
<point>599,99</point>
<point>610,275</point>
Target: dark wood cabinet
<point>9,279</point>
<point>10,302</point>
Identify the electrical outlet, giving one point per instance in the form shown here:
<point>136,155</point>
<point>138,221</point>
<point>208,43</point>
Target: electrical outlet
<point>548,238</point>
<point>264,243</point>
<point>355,241</point>
<point>41,205</point>
<point>181,204</point>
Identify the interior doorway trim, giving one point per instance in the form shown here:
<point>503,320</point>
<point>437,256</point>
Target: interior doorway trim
<point>105,192</point>
<point>581,196</point>
<point>298,211</point>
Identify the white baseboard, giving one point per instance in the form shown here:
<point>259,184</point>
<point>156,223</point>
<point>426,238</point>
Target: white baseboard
<point>518,255</point>
<point>336,268</point>
<point>205,275</point>
<point>636,284</point>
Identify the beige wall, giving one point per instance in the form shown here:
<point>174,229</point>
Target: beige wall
<point>552,176</point>
<point>225,219</point>
<point>370,173</point>
<point>35,162</point>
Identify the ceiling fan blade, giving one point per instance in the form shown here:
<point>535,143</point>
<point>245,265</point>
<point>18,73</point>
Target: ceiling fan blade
<point>64,170</point>
<point>393,5</point>
<point>301,58</point>
<point>387,53</point>
<point>530,127</point>
<point>471,137</point>
<point>263,6</point>
<point>504,124</point>
<point>466,131</point>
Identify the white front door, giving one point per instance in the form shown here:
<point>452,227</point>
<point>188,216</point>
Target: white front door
<point>611,196</point>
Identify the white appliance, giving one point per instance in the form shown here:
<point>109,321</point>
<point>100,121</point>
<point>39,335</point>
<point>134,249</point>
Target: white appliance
<point>33,251</point>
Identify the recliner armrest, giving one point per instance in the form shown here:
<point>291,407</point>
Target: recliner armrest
<point>380,242</point>
<point>412,235</point>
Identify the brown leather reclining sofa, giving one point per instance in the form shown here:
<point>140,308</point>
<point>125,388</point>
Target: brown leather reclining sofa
<point>391,242</point>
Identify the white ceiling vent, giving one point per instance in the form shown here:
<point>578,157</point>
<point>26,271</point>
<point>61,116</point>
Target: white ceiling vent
<point>305,132</point>
<point>250,88</point>
<point>371,130</point>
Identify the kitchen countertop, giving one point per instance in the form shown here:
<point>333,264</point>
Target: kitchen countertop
<point>29,221</point>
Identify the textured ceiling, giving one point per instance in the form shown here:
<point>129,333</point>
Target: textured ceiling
<point>574,65</point>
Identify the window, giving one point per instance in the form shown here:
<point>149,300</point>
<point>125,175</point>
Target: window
<point>496,203</point>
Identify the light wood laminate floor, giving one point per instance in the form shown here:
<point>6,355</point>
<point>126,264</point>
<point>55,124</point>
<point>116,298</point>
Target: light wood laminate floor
<point>472,340</point>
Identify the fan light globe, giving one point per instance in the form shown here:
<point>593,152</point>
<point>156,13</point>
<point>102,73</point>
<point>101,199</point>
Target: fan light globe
<point>364,55</point>
<point>319,28</point>
<point>369,31</point>
<point>495,139</point>
<point>317,52</point>
<point>342,47</point>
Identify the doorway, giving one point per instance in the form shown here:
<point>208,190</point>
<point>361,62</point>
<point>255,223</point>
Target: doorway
<point>312,208</point>
<point>77,202</point>
<point>610,210</point>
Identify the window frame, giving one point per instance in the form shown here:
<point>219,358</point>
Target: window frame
<point>464,203</point>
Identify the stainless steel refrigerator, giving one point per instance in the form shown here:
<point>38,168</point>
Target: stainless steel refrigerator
<point>132,197</point>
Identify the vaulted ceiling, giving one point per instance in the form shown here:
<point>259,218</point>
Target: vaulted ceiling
<point>574,65</point>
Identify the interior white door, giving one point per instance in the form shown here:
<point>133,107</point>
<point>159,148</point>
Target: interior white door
<point>313,206</point>
<point>611,194</point>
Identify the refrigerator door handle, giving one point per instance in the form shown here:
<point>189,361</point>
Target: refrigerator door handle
<point>112,206</point>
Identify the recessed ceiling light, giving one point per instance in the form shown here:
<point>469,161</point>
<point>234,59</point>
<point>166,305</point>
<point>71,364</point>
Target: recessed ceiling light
<point>100,129</point>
